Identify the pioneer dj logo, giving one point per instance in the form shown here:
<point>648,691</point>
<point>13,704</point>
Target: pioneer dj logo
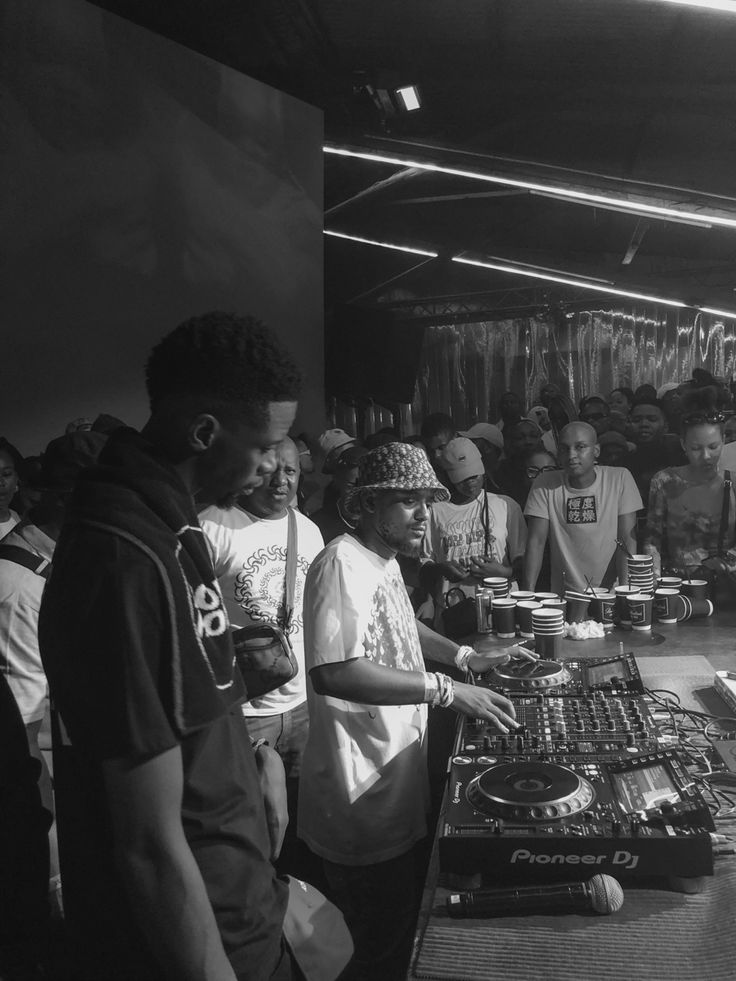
<point>456,798</point>
<point>620,857</point>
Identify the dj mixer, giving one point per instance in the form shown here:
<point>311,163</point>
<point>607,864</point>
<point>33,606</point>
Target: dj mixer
<point>586,785</point>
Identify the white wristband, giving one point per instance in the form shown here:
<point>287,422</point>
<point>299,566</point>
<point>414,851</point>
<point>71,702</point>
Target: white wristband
<point>462,656</point>
<point>431,688</point>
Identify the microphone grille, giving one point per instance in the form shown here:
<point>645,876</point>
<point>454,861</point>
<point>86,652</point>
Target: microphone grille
<point>606,894</point>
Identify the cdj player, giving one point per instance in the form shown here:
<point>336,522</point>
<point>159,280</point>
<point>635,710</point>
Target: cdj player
<point>586,785</point>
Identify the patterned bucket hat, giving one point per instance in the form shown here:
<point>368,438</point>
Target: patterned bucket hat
<point>394,466</point>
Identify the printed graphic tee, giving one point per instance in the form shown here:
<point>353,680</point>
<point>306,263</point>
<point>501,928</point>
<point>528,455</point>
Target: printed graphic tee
<point>249,556</point>
<point>363,793</point>
<point>583,523</point>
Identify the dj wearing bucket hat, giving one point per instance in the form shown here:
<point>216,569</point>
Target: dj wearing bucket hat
<point>364,787</point>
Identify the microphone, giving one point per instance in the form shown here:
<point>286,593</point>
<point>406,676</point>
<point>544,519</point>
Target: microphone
<point>602,894</point>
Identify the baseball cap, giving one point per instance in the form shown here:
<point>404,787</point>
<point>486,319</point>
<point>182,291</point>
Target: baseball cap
<point>487,431</point>
<point>461,459</point>
<point>332,443</point>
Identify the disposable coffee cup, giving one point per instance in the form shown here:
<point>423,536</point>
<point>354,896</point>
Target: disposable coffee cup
<point>521,594</point>
<point>543,596</point>
<point>603,608</point>
<point>577,607</point>
<point>665,607</point>
<point>641,560</point>
<point>504,617</point>
<point>556,604</point>
<point>688,609</point>
<point>524,616</point>
<point>670,582</point>
<point>640,609</point>
<point>622,604</point>
<point>549,647</point>
<point>696,589</point>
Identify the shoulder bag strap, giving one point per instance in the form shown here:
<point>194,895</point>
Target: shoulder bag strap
<point>724,512</point>
<point>291,559</point>
<point>21,556</point>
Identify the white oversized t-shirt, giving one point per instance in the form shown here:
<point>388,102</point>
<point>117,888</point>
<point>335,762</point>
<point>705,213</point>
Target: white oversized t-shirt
<point>363,792</point>
<point>583,522</point>
<point>249,556</point>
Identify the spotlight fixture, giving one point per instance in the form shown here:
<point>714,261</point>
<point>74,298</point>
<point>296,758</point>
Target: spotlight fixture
<point>408,98</point>
<point>727,6</point>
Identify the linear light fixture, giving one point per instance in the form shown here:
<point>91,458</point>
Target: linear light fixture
<point>595,285</point>
<point>383,245</point>
<point>635,207</point>
<point>718,313</point>
<point>582,284</point>
<point>729,6</point>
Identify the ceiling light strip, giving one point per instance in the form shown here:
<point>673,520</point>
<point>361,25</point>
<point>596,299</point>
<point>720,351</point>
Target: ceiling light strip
<point>635,207</point>
<point>383,245</point>
<point>594,286</point>
<point>728,6</point>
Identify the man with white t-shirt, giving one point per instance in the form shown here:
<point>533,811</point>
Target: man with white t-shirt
<point>249,556</point>
<point>475,534</point>
<point>582,509</point>
<point>364,792</point>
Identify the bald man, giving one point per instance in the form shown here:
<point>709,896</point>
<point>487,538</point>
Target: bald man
<point>582,509</point>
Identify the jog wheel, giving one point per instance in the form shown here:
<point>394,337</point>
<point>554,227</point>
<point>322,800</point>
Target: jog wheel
<point>530,675</point>
<point>527,791</point>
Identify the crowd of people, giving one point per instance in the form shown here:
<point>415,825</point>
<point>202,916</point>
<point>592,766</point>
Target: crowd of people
<point>180,804</point>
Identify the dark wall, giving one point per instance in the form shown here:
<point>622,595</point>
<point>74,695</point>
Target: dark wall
<point>142,183</point>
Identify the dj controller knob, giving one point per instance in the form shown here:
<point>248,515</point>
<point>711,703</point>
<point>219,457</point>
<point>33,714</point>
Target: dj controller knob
<point>519,742</point>
<point>611,725</point>
<point>588,816</point>
<point>615,827</point>
<point>579,727</point>
<point>630,740</point>
<point>595,725</point>
<point>635,826</point>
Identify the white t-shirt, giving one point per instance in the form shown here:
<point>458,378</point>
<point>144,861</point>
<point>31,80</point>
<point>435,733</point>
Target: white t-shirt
<point>249,556</point>
<point>456,532</point>
<point>20,600</point>
<point>728,459</point>
<point>7,526</point>
<point>583,522</point>
<point>363,792</point>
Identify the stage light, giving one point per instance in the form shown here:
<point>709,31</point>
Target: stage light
<point>383,245</point>
<point>408,97</point>
<point>567,194</point>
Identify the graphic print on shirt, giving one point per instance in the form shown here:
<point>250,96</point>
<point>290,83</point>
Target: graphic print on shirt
<point>207,609</point>
<point>465,538</point>
<point>260,587</point>
<point>582,510</point>
<point>390,638</point>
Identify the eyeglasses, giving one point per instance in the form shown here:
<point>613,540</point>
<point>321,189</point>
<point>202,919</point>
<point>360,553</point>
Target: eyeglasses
<point>697,418</point>
<point>533,472</point>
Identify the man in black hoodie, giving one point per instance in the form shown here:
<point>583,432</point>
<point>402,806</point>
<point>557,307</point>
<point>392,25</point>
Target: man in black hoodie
<point>164,837</point>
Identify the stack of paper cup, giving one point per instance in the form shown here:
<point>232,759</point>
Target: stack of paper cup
<point>641,573</point>
<point>524,610</point>
<point>549,628</point>
<point>498,586</point>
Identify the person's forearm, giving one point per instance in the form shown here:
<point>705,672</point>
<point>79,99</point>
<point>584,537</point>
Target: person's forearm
<point>361,680</point>
<point>435,646</point>
<point>169,900</point>
<point>532,564</point>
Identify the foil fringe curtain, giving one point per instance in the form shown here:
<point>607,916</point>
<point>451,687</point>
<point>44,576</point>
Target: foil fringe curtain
<point>465,368</point>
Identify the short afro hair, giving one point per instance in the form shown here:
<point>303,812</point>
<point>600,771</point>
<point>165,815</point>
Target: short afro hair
<point>222,363</point>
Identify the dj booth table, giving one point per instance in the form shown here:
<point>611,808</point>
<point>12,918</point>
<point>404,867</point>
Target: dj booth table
<point>658,933</point>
